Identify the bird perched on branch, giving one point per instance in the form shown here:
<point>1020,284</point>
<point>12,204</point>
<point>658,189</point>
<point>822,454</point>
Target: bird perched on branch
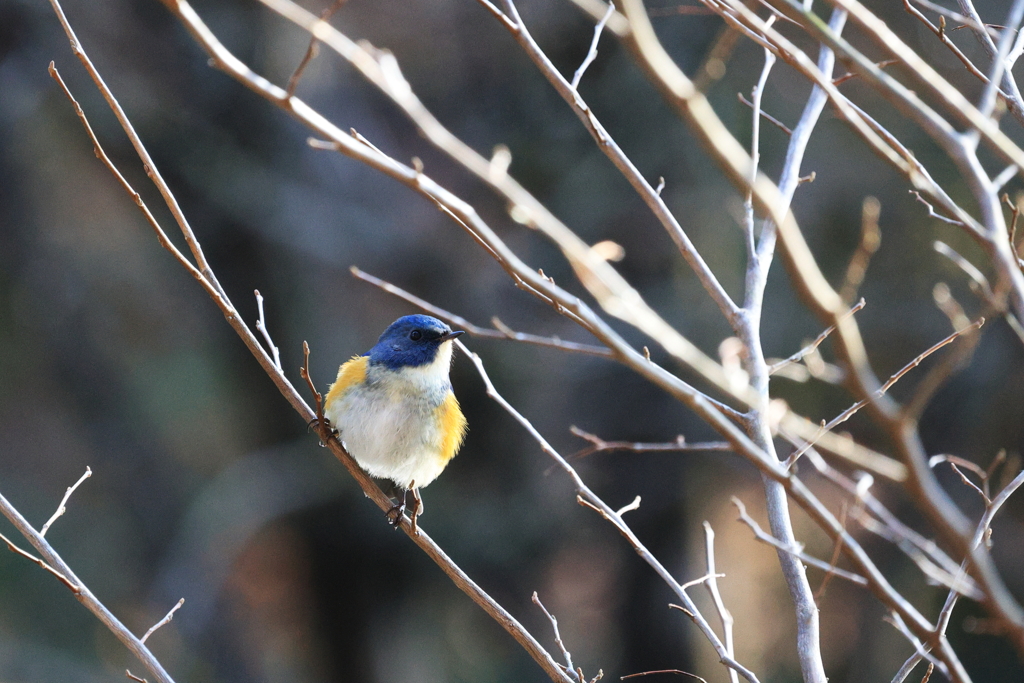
<point>395,410</point>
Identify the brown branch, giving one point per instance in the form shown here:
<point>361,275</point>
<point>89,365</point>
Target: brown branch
<point>933,562</point>
<point>73,587</point>
<point>932,213</point>
<point>311,51</point>
<point>870,240</point>
<point>625,166</point>
<point>1014,215</point>
<point>960,464</point>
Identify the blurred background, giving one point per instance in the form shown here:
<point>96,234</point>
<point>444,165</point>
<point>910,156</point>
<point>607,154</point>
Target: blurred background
<point>207,486</point>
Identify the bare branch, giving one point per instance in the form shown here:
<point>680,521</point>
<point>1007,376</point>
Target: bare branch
<point>810,348</point>
<point>852,410</point>
<point>261,325</point>
<point>55,565</point>
<point>608,146</point>
<point>592,52</point>
<point>933,214</point>
<point>933,562</point>
<point>501,331</point>
<point>635,505</point>
<point>589,499</point>
<point>74,588</point>
<point>766,116</point>
<point>678,672</point>
<point>63,501</point>
<point>162,622</point>
<point>977,279</point>
<point>680,444</point>
<point>311,51</point>
<point>794,551</point>
<point>558,636</point>
<point>870,239</point>
<point>716,596</point>
<point>958,463</point>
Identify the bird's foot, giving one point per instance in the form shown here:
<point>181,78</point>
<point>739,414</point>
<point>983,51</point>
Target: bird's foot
<point>320,425</point>
<point>394,515</point>
<point>399,509</point>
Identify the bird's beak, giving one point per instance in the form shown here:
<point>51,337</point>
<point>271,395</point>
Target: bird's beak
<point>451,335</point>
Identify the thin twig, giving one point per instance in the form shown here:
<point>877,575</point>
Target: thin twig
<point>74,588</point>
<point>261,325</point>
<point>852,410</point>
<point>501,331</point>
<point>678,672</point>
<point>957,463</point>
<point>608,146</point>
<point>1014,216</point>
<point>162,622</point>
<point>63,501</point>
<point>54,564</point>
<point>794,551</point>
<point>558,636</point>
<point>766,116</point>
<point>921,650</point>
<point>870,240</point>
<point>680,444</point>
<point>959,18</point>
<point>933,214</point>
<point>977,278</point>
<point>311,51</point>
<point>716,597</point>
<point>847,76</point>
<point>592,52</point>
<point>589,499</point>
<point>933,562</point>
<point>810,348</point>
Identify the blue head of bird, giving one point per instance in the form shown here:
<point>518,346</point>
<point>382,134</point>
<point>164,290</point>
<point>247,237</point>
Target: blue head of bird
<point>414,341</point>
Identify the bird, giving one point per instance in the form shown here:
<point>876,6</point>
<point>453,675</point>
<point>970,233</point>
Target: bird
<point>394,408</point>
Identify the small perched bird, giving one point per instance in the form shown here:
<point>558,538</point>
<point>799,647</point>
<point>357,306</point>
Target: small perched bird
<point>394,406</point>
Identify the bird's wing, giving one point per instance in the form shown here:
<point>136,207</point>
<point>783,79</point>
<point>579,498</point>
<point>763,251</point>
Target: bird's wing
<point>349,374</point>
<point>453,426</point>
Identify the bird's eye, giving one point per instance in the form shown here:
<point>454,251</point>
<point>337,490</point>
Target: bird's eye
<point>415,335</point>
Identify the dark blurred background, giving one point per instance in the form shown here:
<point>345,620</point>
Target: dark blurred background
<point>207,485</point>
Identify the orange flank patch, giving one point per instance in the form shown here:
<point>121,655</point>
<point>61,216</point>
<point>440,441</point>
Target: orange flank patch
<point>349,374</point>
<point>453,426</point>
